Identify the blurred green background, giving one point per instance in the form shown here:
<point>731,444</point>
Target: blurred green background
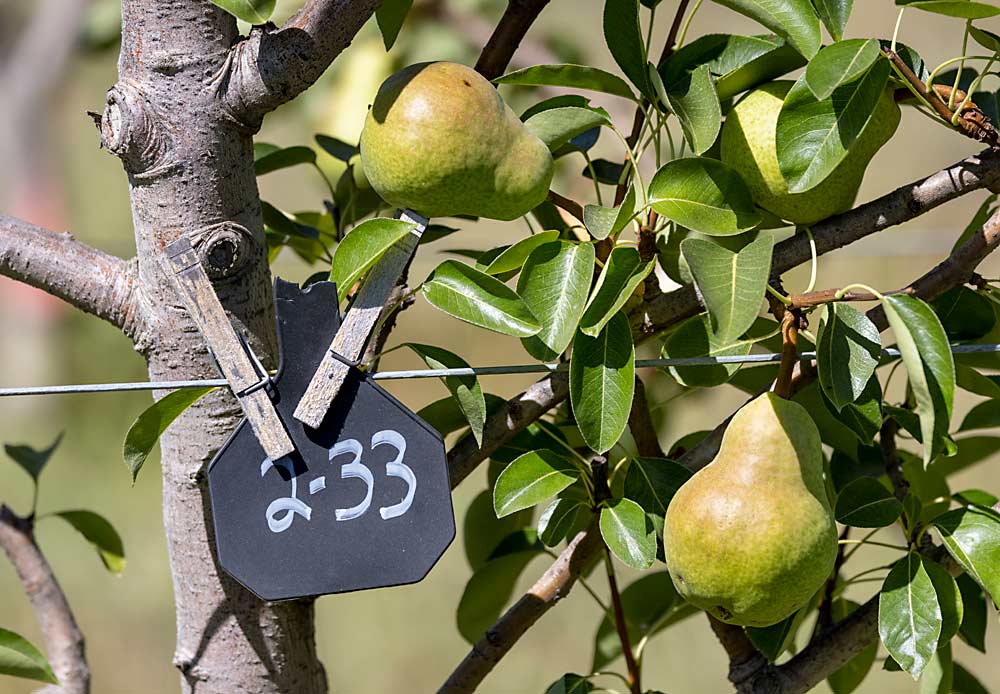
<point>401,639</point>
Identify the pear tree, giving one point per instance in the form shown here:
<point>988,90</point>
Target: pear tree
<point>657,273</point>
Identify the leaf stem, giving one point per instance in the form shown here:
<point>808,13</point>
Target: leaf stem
<point>895,31</point>
<point>857,285</point>
<point>687,25</point>
<point>634,676</point>
<point>961,67</point>
<point>872,542</point>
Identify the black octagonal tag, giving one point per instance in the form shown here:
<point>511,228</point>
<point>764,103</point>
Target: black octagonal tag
<point>364,501</point>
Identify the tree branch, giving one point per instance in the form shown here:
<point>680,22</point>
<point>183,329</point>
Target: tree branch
<point>510,30</point>
<point>63,639</point>
<point>555,584</point>
<point>272,66</point>
<point>87,278</point>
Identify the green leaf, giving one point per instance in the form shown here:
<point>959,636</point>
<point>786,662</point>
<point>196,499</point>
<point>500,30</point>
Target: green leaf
<point>694,338</point>
<point>338,149</point>
<point>646,604</point>
<point>986,39</point>
<point>848,349</point>
<point>834,14</point>
<point>255,12</point>
<point>30,460</point>
<point>694,101</point>
<point>603,222</point>
<point>570,683</point>
<point>971,380</point>
<point>574,76</point>
<point>390,15</point>
<point>929,364</point>
<point>704,195</point>
<point>964,682</point>
<point>482,531</point>
<point>973,627</point>
<point>628,533</point>
<point>972,537</point>
<point>465,389</point>
<point>562,519</point>
<point>623,36</point>
<point>18,658</point>
<point>949,598</point>
<point>281,223</point>
<point>839,64</point>
<point>849,676</point>
<point>652,483</point>
<point>622,273</point>
<point>101,534</point>
<point>978,220</point>
<point>282,159</point>
<point>775,639</point>
<point>909,616</point>
<point>601,383</point>
<point>488,591</point>
<point>150,425</point>
<point>813,136</point>
<point>531,479</point>
<point>863,417</point>
<point>362,248</point>
<point>477,298</point>
<point>554,285</point>
<point>985,415</point>
<point>866,503</point>
<point>965,9</point>
<point>731,284</point>
<point>513,257</point>
<point>937,676</point>
<point>964,314</point>
<point>557,126</point>
<point>795,20</point>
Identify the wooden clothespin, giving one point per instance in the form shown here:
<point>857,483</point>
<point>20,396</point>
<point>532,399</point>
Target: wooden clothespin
<point>351,338</point>
<point>247,377</point>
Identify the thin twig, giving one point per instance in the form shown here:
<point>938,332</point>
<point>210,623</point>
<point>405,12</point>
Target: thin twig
<point>634,674</point>
<point>571,206</point>
<point>509,32</point>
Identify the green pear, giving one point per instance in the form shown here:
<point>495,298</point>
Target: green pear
<point>748,146</point>
<point>440,140</point>
<point>751,537</point>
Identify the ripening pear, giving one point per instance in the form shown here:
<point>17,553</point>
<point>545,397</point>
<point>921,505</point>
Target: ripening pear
<point>751,537</point>
<point>748,146</point>
<point>440,140</point>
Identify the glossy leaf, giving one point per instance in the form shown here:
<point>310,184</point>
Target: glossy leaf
<point>281,223</point>
<point>866,503</point>
<point>813,135</point>
<point>732,284</point>
<point>29,459</point>
<point>255,12</point>
<point>150,425</point>
<point>839,64</point>
<point>601,383</point>
<point>531,479</point>
<point>795,20</point>
<point>562,519</point>
<point>279,158</point>
<point>986,39</point>
<point>362,248</point>
<point>909,616</point>
<point>929,364</point>
<point>390,16</point>
<point>937,676</point>
<point>949,598</point>
<point>834,14</point>
<point>488,591</point>
<point>573,76</point>
<point>622,273</point>
<point>694,101</point>
<point>623,36</point>
<point>972,537</point>
<point>477,298</point>
<point>704,195</point>
<point>695,338</point>
<point>338,149</point>
<point>482,531</point>
<point>554,285</point>
<point>99,533</point>
<point>557,126</point>
<point>603,222</point>
<point>19,658</point>
<point>513,257</point>
<point>965,9</point>
<point>848,349</point>
<point>570,683</point>
<point>974,612</point>
<point>646,604</point>
<point>652,483</point>
<point>964,313</point>
<point>465,389</point>
<point>849,676</point>
<point>628,533</point>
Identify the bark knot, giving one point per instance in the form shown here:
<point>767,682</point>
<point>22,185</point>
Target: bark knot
<point>133,131</point>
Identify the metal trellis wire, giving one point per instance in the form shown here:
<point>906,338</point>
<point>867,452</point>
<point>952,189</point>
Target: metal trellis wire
<point>891,353</point>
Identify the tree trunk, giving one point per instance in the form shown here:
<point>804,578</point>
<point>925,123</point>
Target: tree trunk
<point>191,172</point>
